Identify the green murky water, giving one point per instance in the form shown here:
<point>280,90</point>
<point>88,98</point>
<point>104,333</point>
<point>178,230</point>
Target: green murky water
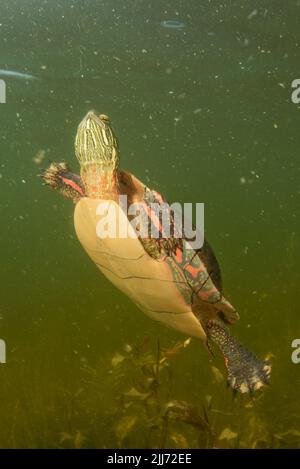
<point>203,114</point>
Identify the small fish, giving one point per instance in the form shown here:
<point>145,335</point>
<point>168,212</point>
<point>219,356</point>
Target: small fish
<point>18,75</point>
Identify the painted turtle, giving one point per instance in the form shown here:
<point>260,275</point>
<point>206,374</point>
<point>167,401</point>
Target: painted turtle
<point>168,280</point>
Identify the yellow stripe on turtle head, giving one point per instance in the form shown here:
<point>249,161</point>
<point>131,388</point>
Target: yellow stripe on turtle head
<point>96,142</point>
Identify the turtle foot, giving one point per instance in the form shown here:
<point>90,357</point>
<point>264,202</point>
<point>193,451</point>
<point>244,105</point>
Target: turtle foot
<point>59,177</point>
<point>246,372</point>
<point>248,375</point>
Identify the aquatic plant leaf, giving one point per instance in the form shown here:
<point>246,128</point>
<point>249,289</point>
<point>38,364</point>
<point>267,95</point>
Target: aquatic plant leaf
<point>249,405</point>
<point>175,350</point>
<point>128,348</point>
<point>217,375</point>
<point>179,440</point>
<point>205,414</point>
<point>127,404</point>
<point>261,444</point>
<point>208,400</point>
<point>227,434</point>
<point>79,440</point>
<point>187,413</point>
<point>187,342</point>
<point>134,393</point>
<point>270,356</point>
<point>124,426</point>
<point>292,432</point>
<point>64,436</point>
<point>76,439</point>
<point>117,359</point>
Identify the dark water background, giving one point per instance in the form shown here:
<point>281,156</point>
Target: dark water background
<point>204,114</point>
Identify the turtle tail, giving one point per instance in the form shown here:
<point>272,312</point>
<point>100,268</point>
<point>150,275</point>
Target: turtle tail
<point>246,372</point>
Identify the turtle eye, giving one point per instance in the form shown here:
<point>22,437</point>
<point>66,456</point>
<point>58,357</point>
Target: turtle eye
<point>103,117</point>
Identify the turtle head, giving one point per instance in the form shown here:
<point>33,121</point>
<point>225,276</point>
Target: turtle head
<point>97,150</point>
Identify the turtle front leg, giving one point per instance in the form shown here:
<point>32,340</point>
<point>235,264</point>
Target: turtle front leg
<point>246,372</point>
<point>60,177</point>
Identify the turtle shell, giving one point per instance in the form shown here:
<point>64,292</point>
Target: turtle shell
<point>169,281</point>
<point>148,282</point>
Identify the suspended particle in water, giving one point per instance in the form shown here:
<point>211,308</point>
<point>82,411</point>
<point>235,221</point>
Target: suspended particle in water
<point>252,14</point>
<point>172,24</point>
<point>38,158</point>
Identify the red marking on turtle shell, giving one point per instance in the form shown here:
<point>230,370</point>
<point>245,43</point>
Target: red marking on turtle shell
<point>178,255</point>
<point>194,271</point>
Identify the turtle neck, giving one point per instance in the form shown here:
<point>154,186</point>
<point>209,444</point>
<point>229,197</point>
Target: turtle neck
<point>101,182</point>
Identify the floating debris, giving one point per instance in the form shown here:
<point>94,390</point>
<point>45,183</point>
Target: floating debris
<point>172,24</point>
<point>18,75</point>
<point>252,14</point>
<point>39,157</point>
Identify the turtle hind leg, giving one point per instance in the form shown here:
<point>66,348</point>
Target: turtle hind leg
<point>246,372</point>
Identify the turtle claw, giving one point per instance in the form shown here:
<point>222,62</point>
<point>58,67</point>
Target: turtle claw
<point>248,376</point>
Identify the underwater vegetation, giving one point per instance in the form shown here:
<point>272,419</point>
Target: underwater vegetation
<point>129,400</point>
